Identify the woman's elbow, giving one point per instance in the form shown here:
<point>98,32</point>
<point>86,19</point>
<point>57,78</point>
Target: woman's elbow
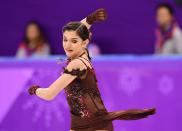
<point>50,98</point>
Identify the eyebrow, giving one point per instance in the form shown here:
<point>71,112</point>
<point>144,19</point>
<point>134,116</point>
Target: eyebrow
<point>74,38</point>
<point>71,38</point>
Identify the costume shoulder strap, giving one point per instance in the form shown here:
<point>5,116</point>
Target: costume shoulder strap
<point>77,71</point>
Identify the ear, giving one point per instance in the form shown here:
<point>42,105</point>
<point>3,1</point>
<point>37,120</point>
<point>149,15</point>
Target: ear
<point>85,43</point>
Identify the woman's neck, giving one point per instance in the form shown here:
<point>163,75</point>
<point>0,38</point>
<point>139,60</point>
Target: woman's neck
<point>34,44</point>
<point>83,54</point>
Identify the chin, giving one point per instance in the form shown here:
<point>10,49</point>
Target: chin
<point>69,55</point>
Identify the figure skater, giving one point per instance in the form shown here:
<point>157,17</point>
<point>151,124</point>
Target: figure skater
<point>87,109</point>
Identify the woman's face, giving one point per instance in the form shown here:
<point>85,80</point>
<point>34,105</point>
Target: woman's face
<point>32,32</point>
<point>164,18</point>
<point>73,45</point>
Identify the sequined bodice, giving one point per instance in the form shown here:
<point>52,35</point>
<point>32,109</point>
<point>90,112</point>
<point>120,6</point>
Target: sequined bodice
<point>83,95</point>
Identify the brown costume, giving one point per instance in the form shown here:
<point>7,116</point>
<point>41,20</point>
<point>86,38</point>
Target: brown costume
<point>88,112</point>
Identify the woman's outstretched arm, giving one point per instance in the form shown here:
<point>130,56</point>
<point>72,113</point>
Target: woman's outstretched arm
<point>57,86</point>
<point>84,21</point>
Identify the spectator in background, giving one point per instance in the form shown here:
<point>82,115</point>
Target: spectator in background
<point>34,43</point>
<point>93,49</point>
<point>168,33</point>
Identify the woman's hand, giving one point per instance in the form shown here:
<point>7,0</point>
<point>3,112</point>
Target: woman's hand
<point>98,15</point>
<point>32,89</point>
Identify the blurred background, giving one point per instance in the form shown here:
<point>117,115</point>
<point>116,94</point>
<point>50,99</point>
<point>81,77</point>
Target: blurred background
<point>136,54</point>
<point>130,28</point>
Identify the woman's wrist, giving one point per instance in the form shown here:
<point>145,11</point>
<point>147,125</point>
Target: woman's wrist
<point>84,21</point>
<point>32,90</point>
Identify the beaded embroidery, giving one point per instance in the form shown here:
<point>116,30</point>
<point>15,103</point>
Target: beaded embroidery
<point>76,72</point>
<point>75,94</point>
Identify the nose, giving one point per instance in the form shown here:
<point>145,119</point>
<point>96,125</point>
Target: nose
<point>67,45</point>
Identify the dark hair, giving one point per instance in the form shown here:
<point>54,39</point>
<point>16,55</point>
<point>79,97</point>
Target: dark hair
<point>169,7</point>
<point>80,29</point>
<point>40,30</point>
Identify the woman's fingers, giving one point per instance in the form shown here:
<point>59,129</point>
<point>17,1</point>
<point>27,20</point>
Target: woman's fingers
<point>101,15</point>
